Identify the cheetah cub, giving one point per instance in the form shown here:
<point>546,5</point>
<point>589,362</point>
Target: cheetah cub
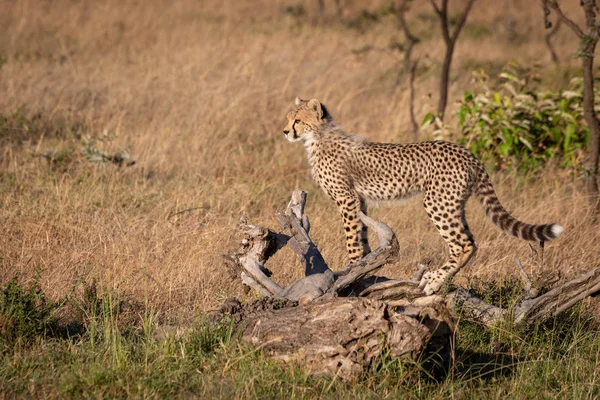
<point>352,170</point>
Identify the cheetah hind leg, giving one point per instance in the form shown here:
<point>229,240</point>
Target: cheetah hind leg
<point>452,225</point>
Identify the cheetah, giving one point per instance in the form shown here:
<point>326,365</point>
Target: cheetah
<point>352,170</point>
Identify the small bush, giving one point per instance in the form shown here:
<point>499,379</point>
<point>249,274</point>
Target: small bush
<point>523,127</point>
<point>24,312</point>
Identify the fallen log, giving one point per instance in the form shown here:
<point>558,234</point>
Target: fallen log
<point>337,336</point>
<point>337,322</point>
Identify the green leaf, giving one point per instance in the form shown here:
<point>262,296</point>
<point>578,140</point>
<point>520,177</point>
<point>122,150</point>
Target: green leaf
<point>497,98</point>
<point>428,118</point>
<point>462,115</point>
<point>504,149</point>
<point>526,143</point>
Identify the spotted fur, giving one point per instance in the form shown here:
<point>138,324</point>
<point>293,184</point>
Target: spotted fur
<point>352,170</point>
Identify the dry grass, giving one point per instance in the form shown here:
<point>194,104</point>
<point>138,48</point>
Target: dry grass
<point>197,92</point>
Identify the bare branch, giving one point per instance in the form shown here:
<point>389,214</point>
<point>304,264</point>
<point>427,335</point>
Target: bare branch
<point>421,269</point>
<point>412,39</point>
<point>553,4</point>
<point>525,279</point>
<point>443,16</point>
<point>251,282</point>
<point>558,299</point>
<point>294,223</point>
<point>548,40</point>
<point>475,308</point>
<point>435,7</point>
<point>257,245</point>
<point>462,19</point>
<point>388,249</point>
<point>411,103</point>
<point>409,65</point>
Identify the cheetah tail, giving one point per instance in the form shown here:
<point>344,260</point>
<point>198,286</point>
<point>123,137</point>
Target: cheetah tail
<point>493,209</point>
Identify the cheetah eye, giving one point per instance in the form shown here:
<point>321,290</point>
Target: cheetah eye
<point>296,121</point>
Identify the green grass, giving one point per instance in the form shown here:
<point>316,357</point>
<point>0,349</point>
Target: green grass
<point>114,356</point>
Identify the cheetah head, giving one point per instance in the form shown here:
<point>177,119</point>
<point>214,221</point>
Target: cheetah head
<point>305,120</point>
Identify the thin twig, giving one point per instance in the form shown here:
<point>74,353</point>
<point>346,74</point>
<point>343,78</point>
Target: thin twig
<point>409,65</point>
<point>526,281</point>
<point>462,19</point>
<point>548,39</point>
<point>411,104</point>
<point>553,4</point>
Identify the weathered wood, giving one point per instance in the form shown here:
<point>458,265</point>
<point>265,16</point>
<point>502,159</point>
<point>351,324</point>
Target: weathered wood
<point>257,245</point>
<point>474,308</point>
<point>559,299</point>
<point>338,322</point>
<point>340,336</point>
<point>387,251</point>
<point>294,223</point>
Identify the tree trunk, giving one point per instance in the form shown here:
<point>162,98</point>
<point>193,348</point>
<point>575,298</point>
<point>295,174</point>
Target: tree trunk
<point>445,79</point>
<point>592,158</point>
<point>450,41</point>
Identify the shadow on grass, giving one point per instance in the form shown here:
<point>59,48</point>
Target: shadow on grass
<point>483,366</point>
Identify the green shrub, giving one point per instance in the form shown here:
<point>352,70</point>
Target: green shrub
<point>24,312</point>
<point>520,126</point>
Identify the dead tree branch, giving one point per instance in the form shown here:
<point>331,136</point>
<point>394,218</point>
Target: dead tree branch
<point>450,38</point>
<point>548,40</point>
<point>409,64</point>
<point>329,320</point>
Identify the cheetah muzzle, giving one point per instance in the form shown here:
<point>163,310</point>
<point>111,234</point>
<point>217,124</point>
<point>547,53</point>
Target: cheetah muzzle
<point>352,170</point>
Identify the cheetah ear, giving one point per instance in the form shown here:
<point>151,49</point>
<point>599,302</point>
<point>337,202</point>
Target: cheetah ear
<point>316,105</point>
<point>298,101</point>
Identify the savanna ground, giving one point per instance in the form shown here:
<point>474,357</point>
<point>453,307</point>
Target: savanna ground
<point>196,92</point>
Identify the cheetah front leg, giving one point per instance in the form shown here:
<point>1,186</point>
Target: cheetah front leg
<point>356,233</point>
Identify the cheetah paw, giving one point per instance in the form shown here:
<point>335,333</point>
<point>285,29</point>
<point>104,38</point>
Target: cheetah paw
<point>433,281</point>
